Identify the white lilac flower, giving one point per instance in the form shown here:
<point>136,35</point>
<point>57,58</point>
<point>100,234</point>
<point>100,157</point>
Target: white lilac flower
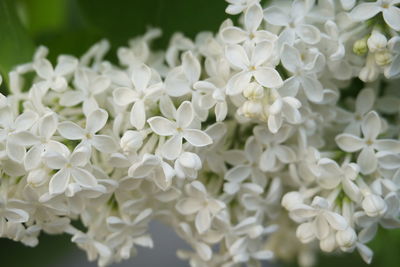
<point>54,78</point>
<point>198,202</point>
<point>293,22</point>
<point>70,166</point>
<point>368,144</point>
<point>251,64</point>
<point>305,73</point>
<point>178,130</point>
<point>390,12</point>
<point>94,123</point>
<point>143,92</point>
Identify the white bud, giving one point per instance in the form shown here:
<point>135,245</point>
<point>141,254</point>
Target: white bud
<point>131,141</point>
<point>377,41</point>
<point>383,57</point>
<point>305,232</point>
<point>360,47</point>
<point>37,177</point>
<point>374,205</point>
<point>329,243</point>
<point>252,109</point>
<point>291,199</point>
<point>253,91</point>
<point>346,238</point>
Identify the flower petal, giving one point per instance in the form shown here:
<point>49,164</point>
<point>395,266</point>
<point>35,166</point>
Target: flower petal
<point>162,126</point>
<point>268,77</point>
<point>172,148</point>
<point>70,130</point>
<point>367,160</point>
<point>184,114</point>
<point>197,138</point>
<point>59,182</point>
<point>349,142</point>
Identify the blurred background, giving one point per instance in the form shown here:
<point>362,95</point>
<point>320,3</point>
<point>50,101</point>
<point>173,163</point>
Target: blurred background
<point>71,27</point>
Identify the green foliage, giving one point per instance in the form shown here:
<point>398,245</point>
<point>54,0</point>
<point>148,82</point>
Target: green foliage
<point>15,44</point>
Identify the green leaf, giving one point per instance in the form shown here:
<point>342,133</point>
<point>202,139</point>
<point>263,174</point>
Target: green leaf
<point>119,20</point>
<point>15,45</point>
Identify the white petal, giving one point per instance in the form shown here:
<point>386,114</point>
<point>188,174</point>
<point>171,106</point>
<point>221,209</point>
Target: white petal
<point>96,120</point>
<point>15,215</point>
<point>237,56</point>
<point>191,67</point>
<point>285,154</point>
<point>238,174</point>
<point>59,182</point>
<point>203,221</point>
<point>24,138</point>
<point>15,152</point>
<point>173,147</point>
<point>261,53</point>
<point>70,130</point>
<point>188,206</point>
<point>184,114</point>
<point>268,77</point>
<point>392,17</point>
<point>238,82</point>
<point>276,16</point>
<point>387,145</point>
<point>365,101</point>
<point>365,11</point>
<point>308,33</point>
<point>55,160</point>
<point>312,88</point>
<point>197,138</point>
<point>124,96</point>
<point>371,126</point>
<point>104,143</point>
<point>138,115</point>
<point>233,35</point>
<point>367,160</point>
<point>141,76</point>
<point>43,68</point>
<point>349,142</point>
<point>267,160</point>
<point>335,220</point>
<point>322,227</point>
<point>65,65</point>
<point>253,17</point>
<point>83,177</point>
<point>162,126</point>
<point>48,125</point>
<point>71,98</point>
<point>99,85</point>
<point>290,58</point>
<point>80,156</point>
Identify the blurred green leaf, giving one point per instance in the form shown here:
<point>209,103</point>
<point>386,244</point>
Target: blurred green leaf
<point>43,15</point>
<point>15,44</point>
<point>119,20</point>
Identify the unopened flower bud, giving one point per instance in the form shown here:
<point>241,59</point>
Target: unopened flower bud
<point>131,140</point>
<point>328,244</point>
<point>291,199</point>
<point>305,232</point>
<point>253,91</point>
<point>252,109</point>
<point>360,47</point>
<point>376,42</point>
<point>383,58</point>
<point>346,238</point>
<point>374,205</point>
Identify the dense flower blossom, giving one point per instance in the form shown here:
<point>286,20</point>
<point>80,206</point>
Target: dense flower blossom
<point>257,139</point>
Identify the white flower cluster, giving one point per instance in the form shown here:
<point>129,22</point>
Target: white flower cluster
<point>248,143</point>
